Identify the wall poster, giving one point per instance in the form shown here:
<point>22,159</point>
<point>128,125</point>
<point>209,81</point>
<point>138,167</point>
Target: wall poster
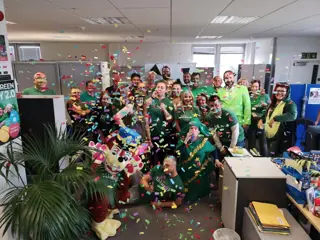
<point>9,115</point>
<point>3,49</point>
<point>314,96</point>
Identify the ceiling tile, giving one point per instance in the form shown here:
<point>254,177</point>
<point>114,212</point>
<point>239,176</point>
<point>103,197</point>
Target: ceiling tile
<point>140,4</point>
<point>150,16</point>
<point>281,17</point>
<point>254,8</point>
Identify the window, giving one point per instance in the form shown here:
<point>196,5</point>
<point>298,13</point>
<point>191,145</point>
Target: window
<point>204,60</point>
<point>230,58</point>
<point>12,53</point>
<point>29,52</point>
<point>204,56</point>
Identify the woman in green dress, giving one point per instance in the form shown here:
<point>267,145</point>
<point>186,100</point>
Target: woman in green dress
<point>186,111</point>
<point>259,104</point>
<point>194,165</point>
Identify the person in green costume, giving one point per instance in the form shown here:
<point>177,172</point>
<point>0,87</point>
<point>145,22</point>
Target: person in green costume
<point>186,111</point>
<point>158,112</point>
<point>197,89</point>
<point>40,86</point>
<point>226,130</point>
<point>167,189</point>
<point>195,166</point>
<point>236,99</point>
<point>89,95</point>
<point>279,123</point>
<point>259,105</point>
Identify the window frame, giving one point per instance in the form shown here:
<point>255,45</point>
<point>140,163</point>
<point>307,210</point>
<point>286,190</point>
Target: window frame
<point>16,47</point>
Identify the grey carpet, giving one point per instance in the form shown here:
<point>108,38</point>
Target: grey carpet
<point>142,222</point>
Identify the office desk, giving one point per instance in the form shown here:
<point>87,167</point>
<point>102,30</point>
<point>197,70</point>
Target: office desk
<point>315,221</point>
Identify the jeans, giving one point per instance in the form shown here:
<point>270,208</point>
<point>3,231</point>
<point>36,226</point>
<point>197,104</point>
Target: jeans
<point>253,134</point>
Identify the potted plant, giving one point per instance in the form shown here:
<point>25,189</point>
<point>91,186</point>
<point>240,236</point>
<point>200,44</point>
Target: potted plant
<point>48,206</point>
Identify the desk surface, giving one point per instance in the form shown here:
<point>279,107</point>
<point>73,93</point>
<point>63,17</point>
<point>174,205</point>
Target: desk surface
<point>250,167</point>
<point>315,221</point>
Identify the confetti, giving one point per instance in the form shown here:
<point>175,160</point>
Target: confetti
<point>79,168</point>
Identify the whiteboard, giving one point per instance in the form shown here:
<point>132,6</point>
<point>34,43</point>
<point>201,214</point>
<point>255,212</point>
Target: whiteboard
<point>175,69</point>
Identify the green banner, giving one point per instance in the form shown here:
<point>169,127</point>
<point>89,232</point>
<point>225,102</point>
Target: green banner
<point>9,115</point>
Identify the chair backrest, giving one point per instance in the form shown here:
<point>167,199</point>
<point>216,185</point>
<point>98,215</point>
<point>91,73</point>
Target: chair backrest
<point>312,138</point>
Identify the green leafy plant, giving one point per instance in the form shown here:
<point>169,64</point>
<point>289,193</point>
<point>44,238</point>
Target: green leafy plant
<point>48,206</point>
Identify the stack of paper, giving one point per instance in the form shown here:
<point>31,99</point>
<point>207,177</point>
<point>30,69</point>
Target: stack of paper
<point>269,218</point>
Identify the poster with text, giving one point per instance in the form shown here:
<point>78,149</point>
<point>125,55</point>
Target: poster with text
<point>3,49</point>
<point>9,115</point>
<point>314,96</point>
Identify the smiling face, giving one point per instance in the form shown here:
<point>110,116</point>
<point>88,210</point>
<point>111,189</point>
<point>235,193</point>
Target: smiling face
<point>254,87</point>
<point>151,78</point>
<point>166,73</point>
<point>106,99</point>
<point>229,79</point>
<point>217,82</point>
<point>90,88</point>
<point>202,101</point>
<point>135,81</point>
<point>187,98</point>
<point>75,93</point>
<point>187,78</point>
<point>281,93</point>
<point>40,80</point>
<point>169,166</point>
<point>176,90</point>
<point>196,80</point>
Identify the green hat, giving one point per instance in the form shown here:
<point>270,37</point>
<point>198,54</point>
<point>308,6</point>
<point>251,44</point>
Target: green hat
<point>196,122</point>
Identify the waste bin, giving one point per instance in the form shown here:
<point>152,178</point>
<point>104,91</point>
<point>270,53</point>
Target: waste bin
<point>225,234</point>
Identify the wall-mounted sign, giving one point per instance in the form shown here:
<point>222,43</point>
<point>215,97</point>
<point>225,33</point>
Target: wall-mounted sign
<point>9,116</point>
<point>309,55</point>
<point>3,49</point>
<point>314,96</point>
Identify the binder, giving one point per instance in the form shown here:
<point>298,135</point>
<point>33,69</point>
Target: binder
<point>270,215</point>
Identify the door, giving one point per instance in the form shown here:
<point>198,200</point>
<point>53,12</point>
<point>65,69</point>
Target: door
<point>301,73</point>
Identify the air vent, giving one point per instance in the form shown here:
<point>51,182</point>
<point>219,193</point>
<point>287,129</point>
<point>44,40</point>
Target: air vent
<point>107,20</point>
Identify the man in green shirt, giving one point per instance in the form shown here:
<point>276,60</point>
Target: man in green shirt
<point>186,79</point>
<point>88,96</point>
<point>158,111</point>
<point>166,188</point>
<point>225,127</point>
<point>40,86</point>
<point>236,99</point>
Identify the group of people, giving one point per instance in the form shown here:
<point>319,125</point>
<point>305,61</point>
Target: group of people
<point>188,127</point>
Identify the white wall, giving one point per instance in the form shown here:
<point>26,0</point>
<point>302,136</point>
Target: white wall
<point>263,50</point>
<point>288,49</point>
<point>65,51</point>
<point>142,53</point>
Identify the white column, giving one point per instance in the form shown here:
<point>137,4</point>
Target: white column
<point>6,66</point>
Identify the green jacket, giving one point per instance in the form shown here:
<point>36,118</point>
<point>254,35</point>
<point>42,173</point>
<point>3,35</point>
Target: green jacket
<point>286,119</point>
<point>237,100</point>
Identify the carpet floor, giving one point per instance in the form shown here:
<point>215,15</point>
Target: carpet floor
<point>191,221</point>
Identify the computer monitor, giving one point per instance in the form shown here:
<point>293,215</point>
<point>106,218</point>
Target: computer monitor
<point>312,138</point>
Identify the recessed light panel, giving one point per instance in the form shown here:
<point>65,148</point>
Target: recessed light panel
<point>233,20</point>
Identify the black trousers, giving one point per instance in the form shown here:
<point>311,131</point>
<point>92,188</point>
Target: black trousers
<point>255,134</point>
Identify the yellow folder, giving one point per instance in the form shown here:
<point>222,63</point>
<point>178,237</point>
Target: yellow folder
<point>270,215</point>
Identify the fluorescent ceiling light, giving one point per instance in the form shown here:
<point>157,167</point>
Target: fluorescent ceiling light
<point>8,22</point>
<point>107,20</point>
<point>233,20</point>
<point>208,37</point>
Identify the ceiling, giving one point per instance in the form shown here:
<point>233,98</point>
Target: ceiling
<point>159,20</point>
